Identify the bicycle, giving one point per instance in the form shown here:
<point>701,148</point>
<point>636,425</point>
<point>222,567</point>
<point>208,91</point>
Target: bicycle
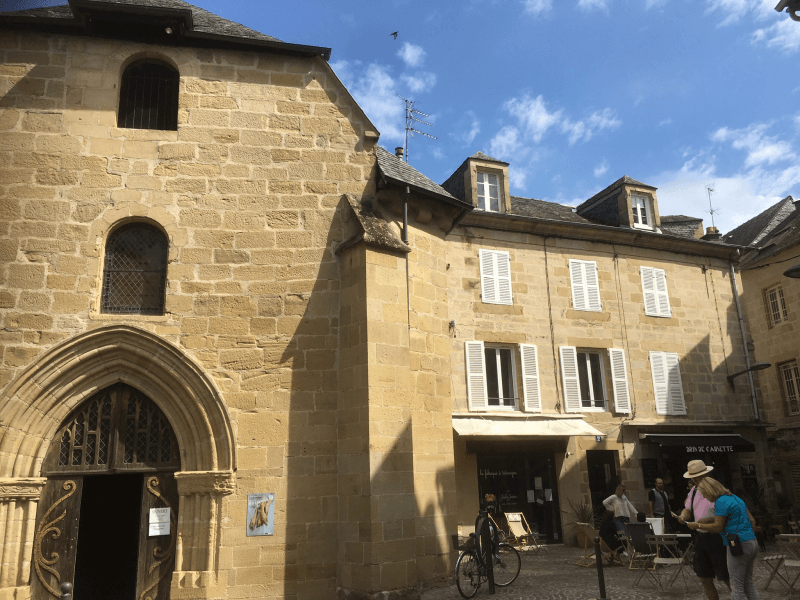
<point>471,570</point>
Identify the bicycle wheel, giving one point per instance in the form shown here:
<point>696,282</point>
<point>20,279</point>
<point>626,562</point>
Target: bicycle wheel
<point>468,576</point>
<point>506,565</point>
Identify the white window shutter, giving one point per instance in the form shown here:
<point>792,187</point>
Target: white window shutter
<point>658,365</point>
<point>488,277</point>
<point>619,378</point>
<point>585,285</point>
<point>578,281</point>
<point>662,297</point>
<point>530,378</point>
<point>592,285</point>
<point>677,403</point>
<point>495,276</point>
<point>569,377</point>
<point>476,376</point>
<point>649,291</point>
<point>503,270</point>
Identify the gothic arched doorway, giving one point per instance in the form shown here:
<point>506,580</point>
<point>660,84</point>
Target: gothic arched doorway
<point>107,518</point>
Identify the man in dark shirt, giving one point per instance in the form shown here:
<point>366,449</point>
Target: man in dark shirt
<point>659,505</point>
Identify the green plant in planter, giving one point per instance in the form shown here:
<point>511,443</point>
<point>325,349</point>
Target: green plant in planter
<point>582,512</point>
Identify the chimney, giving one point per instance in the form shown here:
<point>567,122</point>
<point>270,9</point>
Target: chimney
<point>712,235</point>
<point>398,152</point>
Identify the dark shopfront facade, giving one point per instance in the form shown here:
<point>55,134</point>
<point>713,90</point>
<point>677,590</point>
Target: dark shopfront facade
<point>667,455</point>
<point>523,478</point>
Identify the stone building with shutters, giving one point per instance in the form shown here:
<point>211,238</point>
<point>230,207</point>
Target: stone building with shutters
<point>229,366</point>
<point>772,301</point>
<point>589,347</point>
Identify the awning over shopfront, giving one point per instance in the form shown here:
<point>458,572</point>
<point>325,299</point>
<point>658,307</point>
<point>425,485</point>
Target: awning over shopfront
<point>707,442</point>
<point>514,427</point>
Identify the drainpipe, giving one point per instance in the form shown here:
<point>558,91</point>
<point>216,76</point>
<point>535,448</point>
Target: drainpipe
<point>744,343</point>
<point>405,241</point>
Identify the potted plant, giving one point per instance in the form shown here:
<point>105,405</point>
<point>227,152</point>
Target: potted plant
<point>581,512</point>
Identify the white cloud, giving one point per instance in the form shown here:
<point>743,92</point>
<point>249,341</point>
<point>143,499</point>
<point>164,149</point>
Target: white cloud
<point>760,147</point>
<point>732,10</point>
<point>601,169</point>
<point>586,129</point>
<point>474,130</point>
<point>412,55</point>
<point>665,122</point>
<point>506,143</point>
<point>654,3</point>
<point>537,7</point>
<point>374,89</point>
<point>783,35</point>
<point>533,115</point>
<point>421,81</point>
<point>590,5</point>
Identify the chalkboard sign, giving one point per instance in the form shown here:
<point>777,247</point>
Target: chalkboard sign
<point>650,472</point>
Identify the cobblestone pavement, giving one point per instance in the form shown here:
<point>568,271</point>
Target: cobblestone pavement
<point>554,576</point>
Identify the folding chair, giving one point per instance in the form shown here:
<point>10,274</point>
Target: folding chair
<point>668,554</point>
<point>589,558</point>
<point>773,563</point>
<point>520,533</point>
<point>643,554</point>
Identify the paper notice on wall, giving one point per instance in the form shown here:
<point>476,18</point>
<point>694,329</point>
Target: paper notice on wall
<point>537,483</point>
<point>531,495</point>
<point>548,495</point>
<point>158,523</point>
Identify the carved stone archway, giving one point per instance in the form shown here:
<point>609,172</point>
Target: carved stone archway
<point>41,397</point>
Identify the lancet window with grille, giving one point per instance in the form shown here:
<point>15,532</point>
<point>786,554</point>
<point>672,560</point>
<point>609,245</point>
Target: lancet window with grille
<point>135,276</point>
<point>148,96</point>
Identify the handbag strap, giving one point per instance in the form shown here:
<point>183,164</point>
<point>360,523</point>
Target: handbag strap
<point>691,502</point>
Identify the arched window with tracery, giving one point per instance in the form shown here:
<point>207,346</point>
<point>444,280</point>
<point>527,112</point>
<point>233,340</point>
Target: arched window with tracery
<point>148,96</point>
<point>135,276</point>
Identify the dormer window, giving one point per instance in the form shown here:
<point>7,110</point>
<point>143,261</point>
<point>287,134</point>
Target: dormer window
<point>488,192</point>
<point>642,216</point>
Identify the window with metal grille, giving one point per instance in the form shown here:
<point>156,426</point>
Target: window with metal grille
<point>135,274</point>
<point>791,386</point>
<point>776,306</point>
<point>148,96</point>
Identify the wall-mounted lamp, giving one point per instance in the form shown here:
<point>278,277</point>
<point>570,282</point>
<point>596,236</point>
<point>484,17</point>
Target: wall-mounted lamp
<point>568,454</point>
<point>792,272</point>
<point>759,366</point>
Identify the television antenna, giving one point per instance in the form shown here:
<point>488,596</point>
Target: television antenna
<point>411,119</point>
<point>711,210</point>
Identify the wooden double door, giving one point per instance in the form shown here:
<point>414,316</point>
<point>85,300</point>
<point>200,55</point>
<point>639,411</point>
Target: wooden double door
<point>107,518</point>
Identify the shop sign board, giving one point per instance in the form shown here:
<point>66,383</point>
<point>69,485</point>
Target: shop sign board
<point>709,448</point>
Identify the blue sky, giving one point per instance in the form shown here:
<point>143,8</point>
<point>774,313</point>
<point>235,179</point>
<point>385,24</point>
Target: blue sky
<point>573,93</point>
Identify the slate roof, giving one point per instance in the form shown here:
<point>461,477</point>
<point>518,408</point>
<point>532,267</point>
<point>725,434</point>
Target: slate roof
<point>751,232</point>
<point>680,225</point>
<point>678,219</point>
<point>401,172</point>
<point>204,22</point>
<point>785,235</point>
<point>541,209</point>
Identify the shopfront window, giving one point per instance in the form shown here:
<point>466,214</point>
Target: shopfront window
<point>523,483</point>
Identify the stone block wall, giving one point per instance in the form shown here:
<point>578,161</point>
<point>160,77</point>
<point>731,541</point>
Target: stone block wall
<point>248,191</point>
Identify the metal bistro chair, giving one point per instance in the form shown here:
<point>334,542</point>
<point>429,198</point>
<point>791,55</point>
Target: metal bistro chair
<point>790,546</point>
<point>668,554</point>
<point>642,554</point>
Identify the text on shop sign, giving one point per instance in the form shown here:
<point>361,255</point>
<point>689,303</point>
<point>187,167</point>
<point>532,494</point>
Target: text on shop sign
<point>709,448</point>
